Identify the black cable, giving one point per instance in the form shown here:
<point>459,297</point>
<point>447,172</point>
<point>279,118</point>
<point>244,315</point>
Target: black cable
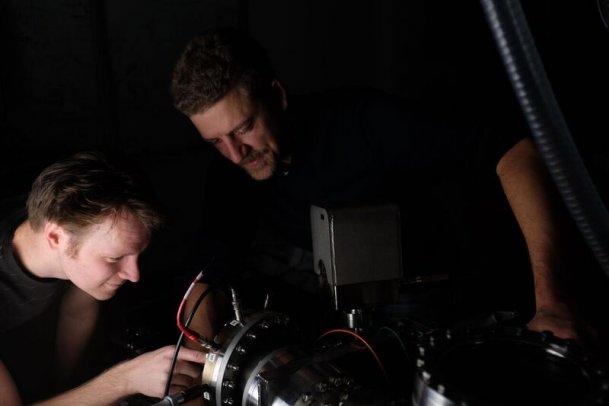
<point>181,337</point>
<point>184,396</point>
<point>548,127</point>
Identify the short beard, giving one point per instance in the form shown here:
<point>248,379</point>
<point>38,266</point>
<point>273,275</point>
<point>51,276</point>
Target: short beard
<point>264,173</point>
<point>73,247</point>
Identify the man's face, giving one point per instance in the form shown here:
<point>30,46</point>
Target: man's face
<point>243,131</point>
<point>106,257</point>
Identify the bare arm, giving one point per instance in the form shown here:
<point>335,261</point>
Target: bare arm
<point>208,314</point>
<point>145,374</point>
<point>77,319</point>
<point>533,200</point>
<point>8,391</point>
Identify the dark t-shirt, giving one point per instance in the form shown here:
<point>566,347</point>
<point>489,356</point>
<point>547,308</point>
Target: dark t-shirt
<point>22,295</point>
<point>354,146</point>
<point>28,318</point>
<point>362,146</point>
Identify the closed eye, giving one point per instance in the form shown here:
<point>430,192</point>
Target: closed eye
<point>212,141</point>
<point>113,259</point>
<point>242,129</point>
<point>245,127</point>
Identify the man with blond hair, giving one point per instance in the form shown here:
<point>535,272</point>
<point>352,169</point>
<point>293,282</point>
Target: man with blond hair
<point>88,219</point>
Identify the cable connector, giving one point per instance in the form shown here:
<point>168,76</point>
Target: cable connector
<point>208,345</point>
<point>236,306</point>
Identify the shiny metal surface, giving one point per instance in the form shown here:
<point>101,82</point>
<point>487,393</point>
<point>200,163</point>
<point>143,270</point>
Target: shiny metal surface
<point>505,365</point>
<point>253,393</point>
<point>240,344</point>
<point>289,376</point>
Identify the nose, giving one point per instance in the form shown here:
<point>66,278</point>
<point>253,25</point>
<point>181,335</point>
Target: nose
<point>235,149</point>
<point>130,271</point>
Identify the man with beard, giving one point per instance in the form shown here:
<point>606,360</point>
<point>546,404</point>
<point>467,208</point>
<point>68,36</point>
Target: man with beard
<point>352,146</point>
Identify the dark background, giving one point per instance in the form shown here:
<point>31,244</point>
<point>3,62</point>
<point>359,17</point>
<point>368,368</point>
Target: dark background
<point>79,74</point>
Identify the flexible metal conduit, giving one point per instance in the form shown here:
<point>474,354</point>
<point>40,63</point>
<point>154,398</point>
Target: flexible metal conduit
<point>530,83</point>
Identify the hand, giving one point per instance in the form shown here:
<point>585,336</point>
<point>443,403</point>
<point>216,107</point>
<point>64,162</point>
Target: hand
<point>147,374</point>
<point>562,322</point>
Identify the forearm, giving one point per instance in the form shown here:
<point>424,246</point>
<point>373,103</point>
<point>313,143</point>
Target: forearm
<point>105,389</point>
<point>70,348</point>
<point>534,203</point>
<point>8,390</point>
<point>208,314</point>
<point>145,374</point>
<point>77,320</point>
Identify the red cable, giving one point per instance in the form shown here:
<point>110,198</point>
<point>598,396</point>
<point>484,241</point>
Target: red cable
<point>363,341</point>
<point>190,334</point>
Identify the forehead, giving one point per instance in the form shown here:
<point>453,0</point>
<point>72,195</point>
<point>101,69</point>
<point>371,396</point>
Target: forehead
<point>121,234</point>
<point>223,116</point>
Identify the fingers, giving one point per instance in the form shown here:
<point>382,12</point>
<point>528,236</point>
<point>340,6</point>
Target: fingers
<point>560,328</point>
<point>182,380</point>
<point>188,369</point>
<point>173,389</point>
<point>147,374</point>
<point>166,352</point>
<point>187,354</point>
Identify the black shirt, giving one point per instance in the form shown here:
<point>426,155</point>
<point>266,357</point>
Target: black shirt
<point>358,146</point>
<point>354,146</point>
<point>28,318</point>
<point>23,296</point>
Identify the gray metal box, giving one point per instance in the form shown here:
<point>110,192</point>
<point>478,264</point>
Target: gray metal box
<point>358,250</point>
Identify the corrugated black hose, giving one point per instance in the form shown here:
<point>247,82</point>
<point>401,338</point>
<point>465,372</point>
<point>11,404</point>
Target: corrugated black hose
<point>549,129</point>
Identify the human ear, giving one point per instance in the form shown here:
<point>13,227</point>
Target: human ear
<point>54,234</point>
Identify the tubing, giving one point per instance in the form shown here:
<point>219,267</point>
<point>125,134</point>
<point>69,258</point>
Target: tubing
<point>549,129</point>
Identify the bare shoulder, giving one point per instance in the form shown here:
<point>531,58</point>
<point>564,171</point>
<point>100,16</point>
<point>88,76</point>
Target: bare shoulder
<point>8,389</point>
